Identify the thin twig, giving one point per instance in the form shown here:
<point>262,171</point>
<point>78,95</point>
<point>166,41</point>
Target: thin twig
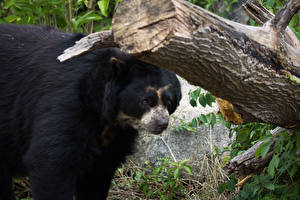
<point>210,140</point>
<point>90,24</point>
<point>168,148</point>
<point>70,14</point>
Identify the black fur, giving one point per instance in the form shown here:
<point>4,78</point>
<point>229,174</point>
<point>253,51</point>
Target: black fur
<point>58,121</point>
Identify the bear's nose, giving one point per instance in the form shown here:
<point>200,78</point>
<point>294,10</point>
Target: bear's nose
<point>162,123</point>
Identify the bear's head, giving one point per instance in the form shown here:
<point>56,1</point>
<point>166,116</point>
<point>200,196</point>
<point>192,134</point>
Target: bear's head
<point>146,94</point>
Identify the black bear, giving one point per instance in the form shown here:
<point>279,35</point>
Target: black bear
<point>69,125</point>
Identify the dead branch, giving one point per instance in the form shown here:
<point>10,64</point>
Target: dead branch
<point>89,43</point>
<point>247,162</point>
<point>261,15</point>
<point>284,15</point>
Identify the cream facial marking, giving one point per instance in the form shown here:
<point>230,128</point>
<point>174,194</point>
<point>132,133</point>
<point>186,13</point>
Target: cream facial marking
<point>155,120</point>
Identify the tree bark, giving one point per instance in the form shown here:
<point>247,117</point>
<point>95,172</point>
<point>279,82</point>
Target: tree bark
<point>252,67</point>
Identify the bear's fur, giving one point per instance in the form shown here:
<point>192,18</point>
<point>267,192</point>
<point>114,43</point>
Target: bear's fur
<point>69,125</point>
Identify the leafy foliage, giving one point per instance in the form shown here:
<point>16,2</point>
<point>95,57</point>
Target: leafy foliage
<point>281,178</point>
<point>162,181</point>
<point>247,135</point>
<point>204,99</point>
<point>55,13</point>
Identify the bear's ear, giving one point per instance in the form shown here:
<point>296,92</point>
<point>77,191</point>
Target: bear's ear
<point>116,63</point>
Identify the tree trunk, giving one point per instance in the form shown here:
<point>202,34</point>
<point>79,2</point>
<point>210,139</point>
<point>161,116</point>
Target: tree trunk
<point>257,69</point>
<point>252,67</point>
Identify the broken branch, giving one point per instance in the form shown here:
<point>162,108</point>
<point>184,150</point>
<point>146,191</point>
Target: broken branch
<point>285,14</point>
<point>261,15</point>
<point>91,42</point>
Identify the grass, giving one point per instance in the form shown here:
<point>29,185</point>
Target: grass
<point>203,184</point>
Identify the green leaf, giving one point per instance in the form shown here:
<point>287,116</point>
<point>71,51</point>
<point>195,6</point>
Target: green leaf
<point>87,17</point>
<point>188,169</point>
<point>270,3</point>
<point>193,102</point>
<point>138,176</point>
<point>191,129</point>
<point>194,122</point>
<point>165,185</point>
<point>183,162</point>
<point>252,133</point>
<point>263,149</point>
<point>213,119</point>
<point>244,194</point>
<point>12,18</point>
<point>293,170</point>
<point>8,4</point>
<point>176,173</point>
<point>213,98</point>
<point>224,122</point>
<point>209,117</point>
<point>269,186</point>
<point>208,99</point>
<point>103,6</point>
<point>231,185</point>
<point>203,118</point>
<point>193,96</point>
<point>156,170</point>
<point>273,165</point>
<point>197,92</point>
<point>221,188</point>
<point>298,141</point>
<point>202,100</point>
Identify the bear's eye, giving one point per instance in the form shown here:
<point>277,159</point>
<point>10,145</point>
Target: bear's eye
<point>167,100</point>
<point>146,102</point>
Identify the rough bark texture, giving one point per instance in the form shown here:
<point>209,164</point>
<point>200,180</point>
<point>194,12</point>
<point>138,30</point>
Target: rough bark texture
<point>247,66</point>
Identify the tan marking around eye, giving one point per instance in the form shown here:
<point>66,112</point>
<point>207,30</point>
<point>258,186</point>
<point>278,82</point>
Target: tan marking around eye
<point>160,91</point>
<point>150,88</point>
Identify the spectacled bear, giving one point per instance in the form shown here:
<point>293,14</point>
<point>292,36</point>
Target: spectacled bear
<point>69,125</point>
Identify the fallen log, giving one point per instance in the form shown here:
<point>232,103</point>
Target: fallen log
<point>257,69</point>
